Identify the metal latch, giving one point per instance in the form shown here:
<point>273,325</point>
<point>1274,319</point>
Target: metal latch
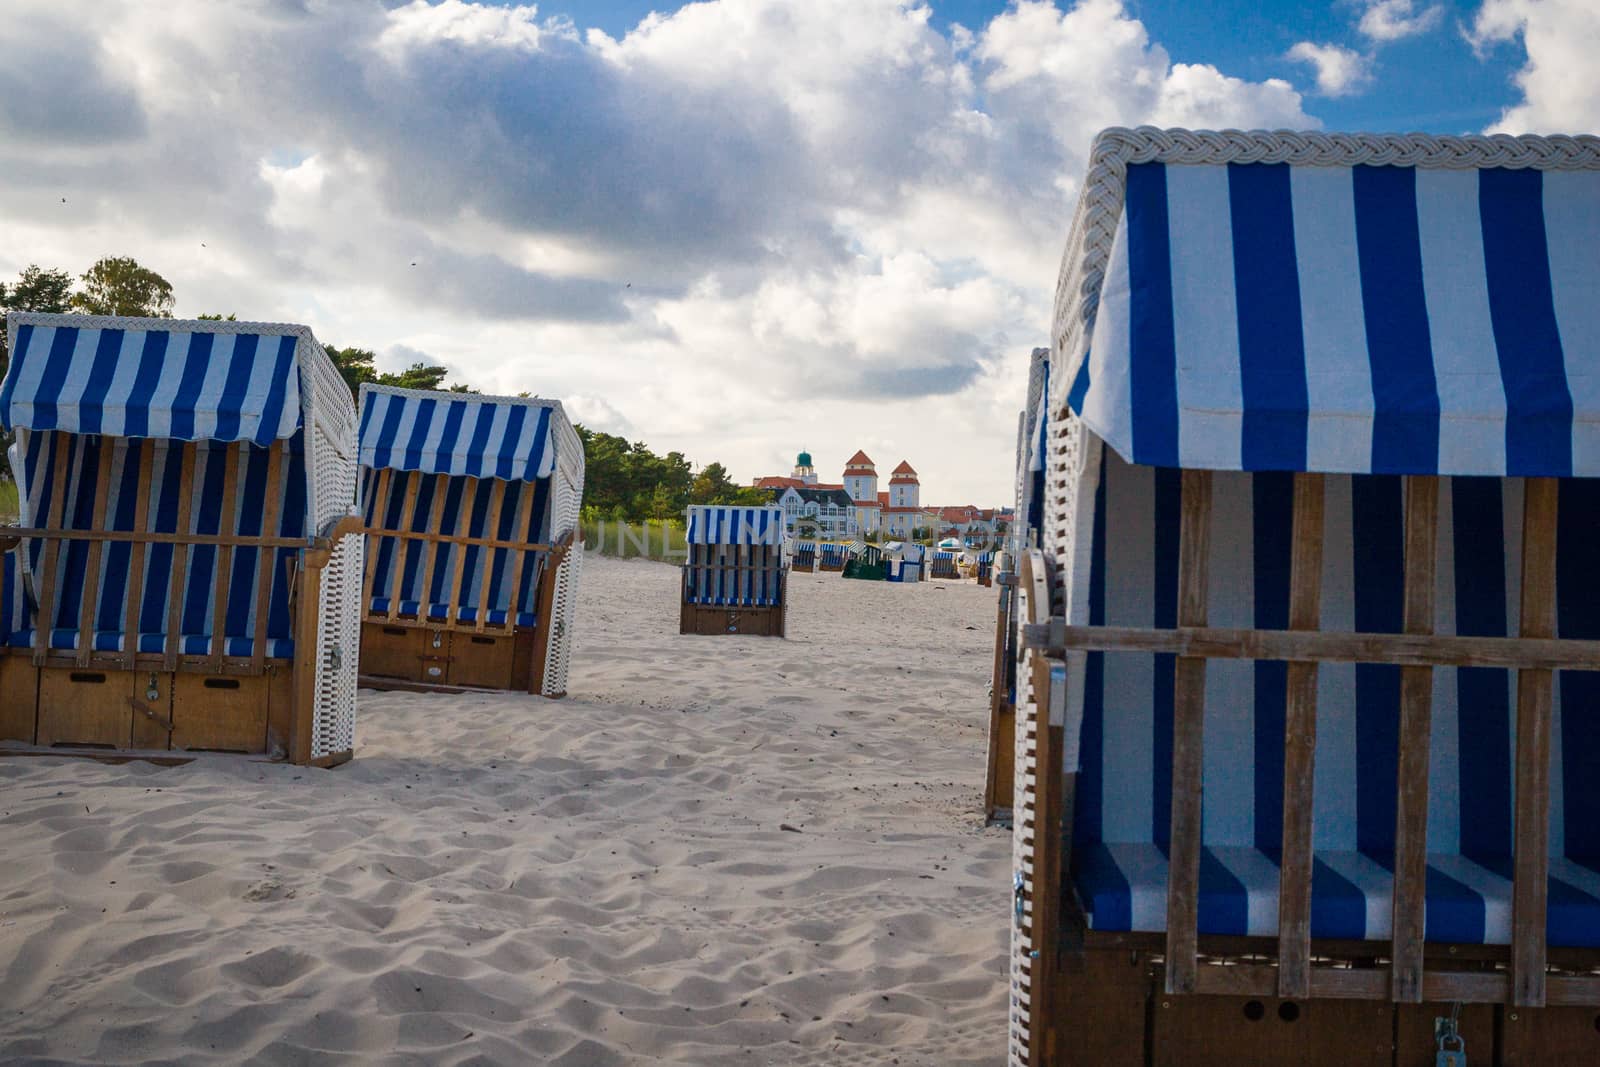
<point>1451,1046</point>
<point>1018,897</point>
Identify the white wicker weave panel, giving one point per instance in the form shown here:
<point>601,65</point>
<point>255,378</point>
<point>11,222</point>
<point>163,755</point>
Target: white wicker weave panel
<point>333,726</point>
<point>1022,821</point>
<point>566,512</point>
<point>563,614</point>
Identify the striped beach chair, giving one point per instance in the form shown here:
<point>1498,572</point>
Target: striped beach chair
<point>983,567</point>
<point>944,564</point>
<point>804,557</point>
<point>184,575</point>
<point>904,561</point>
<point>472,506</point>
<point>1323,554</point>
<point>830,556</point>
<point>865,562</point>
<point>736,578</point>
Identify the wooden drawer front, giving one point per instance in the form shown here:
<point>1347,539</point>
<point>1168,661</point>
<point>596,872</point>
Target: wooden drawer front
<point>89,707</point>
<point>222,714</point>
<point>480,659</point>
<point>19,699</point>
<point>393,651</point>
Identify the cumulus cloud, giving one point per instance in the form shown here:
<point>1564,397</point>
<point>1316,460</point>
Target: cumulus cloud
<point>1340,71</point>
<point>1560,83</point>
<point>736,225</point>
<point>1394,20</point>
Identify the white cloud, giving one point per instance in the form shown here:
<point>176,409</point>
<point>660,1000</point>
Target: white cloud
<point>1340,71</point>
<point>742,227</point>
<point>422,23</point>
<point>1560,81</point>
<point>1394,20</point>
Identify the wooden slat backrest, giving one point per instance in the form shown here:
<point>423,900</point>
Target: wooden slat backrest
<point>138,553</point>
<point>398,561</point>
<point>224,557</point>
<point>180,552</point>
<point>265,557</point>
<point>1188,739</point>
<point>1535,653</point>
<point>1531,817</point>
<point>91,584</point>
<point>1300,744</point>
<point>379,511</point>
<point>437,518</point>
<point>1416,718</point>
<point>497,498</point>
<point>524,514</point>
<point>45,619</point>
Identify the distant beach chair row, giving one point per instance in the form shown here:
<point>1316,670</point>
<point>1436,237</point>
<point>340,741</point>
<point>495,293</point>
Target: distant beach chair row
<point>191,572</point>
<point>735,580</point>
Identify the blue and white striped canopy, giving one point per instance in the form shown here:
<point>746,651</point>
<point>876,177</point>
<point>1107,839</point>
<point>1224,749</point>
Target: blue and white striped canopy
<point>1354,319</point>
<point>716,524</point>
<point>453,433</point>
<point>153,378</point>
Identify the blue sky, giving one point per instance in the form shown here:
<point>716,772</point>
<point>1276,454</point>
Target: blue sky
<point>1432,82</point>
<point>752,227</point>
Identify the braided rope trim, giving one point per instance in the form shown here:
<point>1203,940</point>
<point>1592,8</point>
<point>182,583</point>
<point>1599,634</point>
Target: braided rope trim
<point>132,322</point>
<point>481,398</point>
<point>1094,223</point>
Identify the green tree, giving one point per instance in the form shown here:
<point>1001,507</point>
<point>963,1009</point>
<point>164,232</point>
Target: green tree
<point>356,365</point>
<point>118,285</point>
<point>712,485</point>
<point>36,289</point>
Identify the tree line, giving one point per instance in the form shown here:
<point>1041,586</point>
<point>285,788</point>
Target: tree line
<point>624,481</point>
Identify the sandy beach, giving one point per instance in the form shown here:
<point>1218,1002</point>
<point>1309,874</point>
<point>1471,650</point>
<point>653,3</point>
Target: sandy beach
<point>714,851</point>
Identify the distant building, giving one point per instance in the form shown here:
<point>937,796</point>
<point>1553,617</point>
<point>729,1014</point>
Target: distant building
<point>902,514</point>
<point>861,482</point>
<point>829,513</point>
<point>855,507</point>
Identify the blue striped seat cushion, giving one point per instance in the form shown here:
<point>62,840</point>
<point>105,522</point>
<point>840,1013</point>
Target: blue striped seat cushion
<point>1124,888</point>
<point>1123,797</point>
<point>497,617</point>
<point>156,644</point>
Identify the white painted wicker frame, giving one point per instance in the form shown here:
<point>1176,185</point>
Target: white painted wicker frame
<point>329,418</point>
<point>1030,418</point>
<point>1072,464</point>
<point>566,504</point>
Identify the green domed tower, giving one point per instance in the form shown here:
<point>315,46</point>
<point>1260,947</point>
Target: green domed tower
<point>803,470</point>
